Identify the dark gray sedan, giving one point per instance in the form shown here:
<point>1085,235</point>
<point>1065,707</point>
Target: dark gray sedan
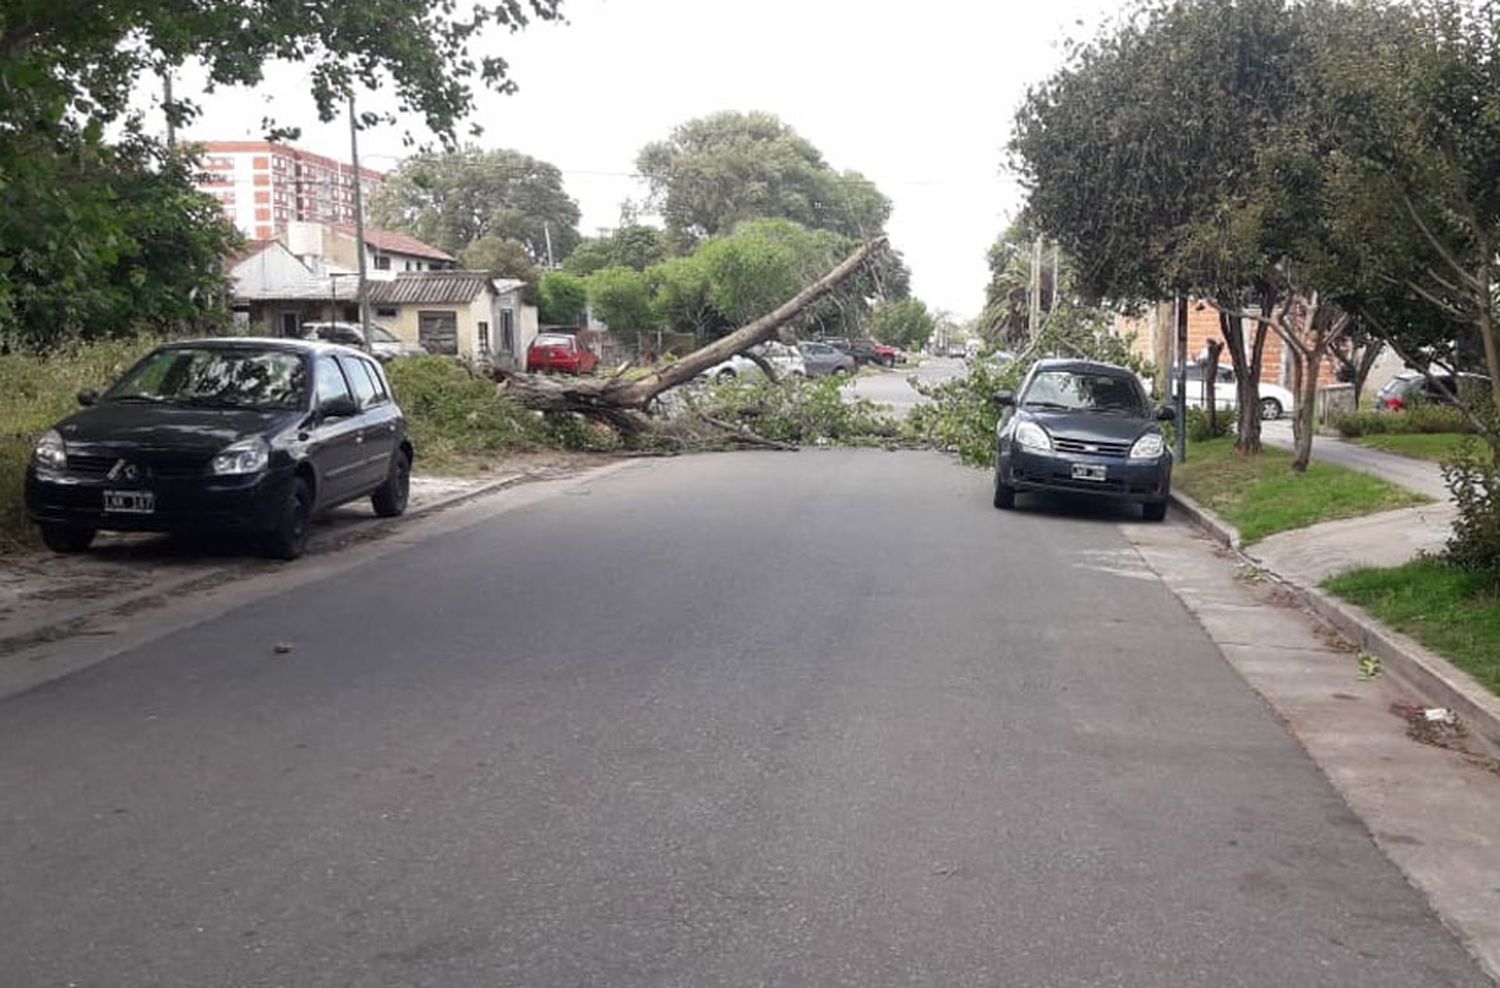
<point>1081,427</point>
<point>822,359</point>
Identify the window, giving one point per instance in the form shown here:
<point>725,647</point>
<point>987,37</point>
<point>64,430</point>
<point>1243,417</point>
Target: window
<point>289,324</point>
<point>507,331</point>
<point>382,262</point>
<point>385,311</point>
<point>363,378</point>
<point>330,381</point>
<point>484,337</point>
<point>218,377</point>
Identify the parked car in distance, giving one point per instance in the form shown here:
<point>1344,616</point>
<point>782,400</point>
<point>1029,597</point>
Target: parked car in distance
<point>560,353</point>
<point>889,356</point>
<point>821,359</point>
<point>957,350</point>
<point>250,436</point>
<point>784,360</point>
<point>384,345</point>
<point>1079,426</point>
<point>1412,387</point>
<point>1275,401</point>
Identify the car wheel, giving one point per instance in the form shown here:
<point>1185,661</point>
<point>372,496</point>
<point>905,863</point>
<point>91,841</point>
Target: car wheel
<point>1005,495</point>
<point>724,375</point>
<point>67,538</point>
<point>288,539</point>
<point>1154,510</point>
<point>389,499</point>
<point>1270,409</point>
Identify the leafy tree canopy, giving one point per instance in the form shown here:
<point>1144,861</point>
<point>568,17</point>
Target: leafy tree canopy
<point>634,246</point>
<point>902,322</point>
<point>451,199</point>
<point>621,298</point>
<point>564,299</point>
<point>717,171</point>
<point>502,259</point>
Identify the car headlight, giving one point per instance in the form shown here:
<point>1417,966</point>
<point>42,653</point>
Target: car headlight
<point>49,451</point>
<point>245,456</point>
<point>1033,436</point>
<point>1148,447</point>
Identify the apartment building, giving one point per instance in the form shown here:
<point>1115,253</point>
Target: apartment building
<point>264,186</point>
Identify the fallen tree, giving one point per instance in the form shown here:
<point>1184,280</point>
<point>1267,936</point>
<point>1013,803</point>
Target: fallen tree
<point>622,403</point>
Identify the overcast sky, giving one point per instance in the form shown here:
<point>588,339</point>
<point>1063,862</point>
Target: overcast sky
<point>917,96</point>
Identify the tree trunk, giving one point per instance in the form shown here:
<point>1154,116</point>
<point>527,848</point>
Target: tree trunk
<point>1211,385</point>
<point>619,402</point>
<point>1367,358</point>
<point>1247,380</point>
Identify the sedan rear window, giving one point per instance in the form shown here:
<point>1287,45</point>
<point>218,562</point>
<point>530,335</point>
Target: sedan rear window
<point>548,339</point>
<point>225,377</point>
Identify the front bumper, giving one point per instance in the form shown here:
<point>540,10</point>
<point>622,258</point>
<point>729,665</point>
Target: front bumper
<point>1147,481</point>
<point>201,504</point>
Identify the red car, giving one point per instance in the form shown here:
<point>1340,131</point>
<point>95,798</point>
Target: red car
<point>890,356</point>
<point>560,353</point>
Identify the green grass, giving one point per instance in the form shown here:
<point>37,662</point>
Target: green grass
<point>1435,446</point>
<point>1260,495</point>
<point>1452,611</point>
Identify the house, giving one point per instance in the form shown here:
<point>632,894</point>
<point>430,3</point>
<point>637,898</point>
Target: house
<point>274,292</point>
<point>457,313</point>
<point>335,245</point>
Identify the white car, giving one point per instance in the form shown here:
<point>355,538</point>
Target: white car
<point>1275,401</point>
<point>786,361</point>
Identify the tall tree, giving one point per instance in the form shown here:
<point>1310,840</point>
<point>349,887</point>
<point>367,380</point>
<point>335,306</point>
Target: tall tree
<point>68,72</point>
<point>503,259</point>
<point>902,322</point>
<point>1419,102</point>
<point>1225,202</point>
<point>717,171</point>
<point>633,246</point>
<point>564,299</point>
<point>450,199</point>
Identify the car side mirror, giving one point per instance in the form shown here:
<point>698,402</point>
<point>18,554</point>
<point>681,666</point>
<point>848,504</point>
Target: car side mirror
<point>87,397</point>
<point>1166,413</point>
<point>342,407</point>
<point>1004,399</point>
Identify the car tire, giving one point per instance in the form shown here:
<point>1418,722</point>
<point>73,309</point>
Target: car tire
<point>1005,495</point>
<point>389,499</point>
<point>1270,409</point>
<point>67,538</point>
<point>288,539</point>
<point>1154,510</point>
<point>725,375</point>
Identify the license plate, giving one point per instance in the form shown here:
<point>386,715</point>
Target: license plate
<point>130,502</point>
<point>1088,471</point>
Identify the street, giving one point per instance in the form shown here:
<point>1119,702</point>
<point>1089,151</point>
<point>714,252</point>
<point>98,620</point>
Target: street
<point>891,387</point>
<point>822,718</point>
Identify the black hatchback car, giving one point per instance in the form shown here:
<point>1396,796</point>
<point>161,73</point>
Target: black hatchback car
<point>1081,427</point>
<point>244,436</point>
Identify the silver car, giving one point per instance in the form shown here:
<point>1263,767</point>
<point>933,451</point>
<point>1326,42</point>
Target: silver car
<point>820,359</point>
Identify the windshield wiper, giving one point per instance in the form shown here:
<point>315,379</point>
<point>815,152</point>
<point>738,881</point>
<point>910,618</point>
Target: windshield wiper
<point>211,401</point>
<point>1048,404</point>
<point>149,399</point>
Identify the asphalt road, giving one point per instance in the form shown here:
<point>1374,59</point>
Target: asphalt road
<point>892,388</point>
<point>758,719</point>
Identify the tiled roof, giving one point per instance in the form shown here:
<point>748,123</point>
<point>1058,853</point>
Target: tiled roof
<point>428,288</point>
<point>395,243</point>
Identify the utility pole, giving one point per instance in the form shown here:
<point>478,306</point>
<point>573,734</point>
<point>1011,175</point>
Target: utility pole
<point>359,226</point>
<point>1181,403</point>
<point>1034,293</point>
<point>547,232</point>
<point>166,103</point>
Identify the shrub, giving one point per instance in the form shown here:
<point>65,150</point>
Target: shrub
<point>1201,428</point>
<point>961,414</point>
<point>1421,418</point>
<point>1474,481</point>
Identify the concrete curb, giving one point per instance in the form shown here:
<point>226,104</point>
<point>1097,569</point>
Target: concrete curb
<point>59,625</point>
<point>1416,666</point>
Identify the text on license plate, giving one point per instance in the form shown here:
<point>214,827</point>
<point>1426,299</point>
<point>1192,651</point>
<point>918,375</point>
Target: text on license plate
<point>130,502</point>
<point>1089,471</point>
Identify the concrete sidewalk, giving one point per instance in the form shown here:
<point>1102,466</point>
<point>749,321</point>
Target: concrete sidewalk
<point>1421,476</point>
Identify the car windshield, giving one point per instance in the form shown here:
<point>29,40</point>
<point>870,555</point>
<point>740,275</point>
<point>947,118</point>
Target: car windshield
<point>1071,390</point>
<point>217,376</point>
<point>380,334</point>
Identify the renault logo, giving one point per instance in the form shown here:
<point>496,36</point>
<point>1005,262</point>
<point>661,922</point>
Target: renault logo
<point>124,471</point>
